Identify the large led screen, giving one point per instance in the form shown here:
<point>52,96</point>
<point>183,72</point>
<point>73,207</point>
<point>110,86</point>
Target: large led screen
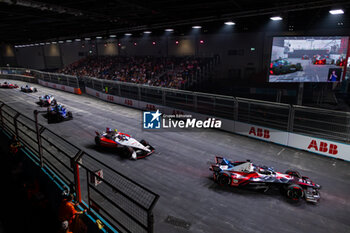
<point>308,59</point>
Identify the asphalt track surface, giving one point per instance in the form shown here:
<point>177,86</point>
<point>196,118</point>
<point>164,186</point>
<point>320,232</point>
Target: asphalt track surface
<point>178,171</point>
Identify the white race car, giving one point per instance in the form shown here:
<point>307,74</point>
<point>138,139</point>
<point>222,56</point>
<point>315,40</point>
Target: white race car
<point>47,100</point>
<point>28,89</point>
<point>133,148</point>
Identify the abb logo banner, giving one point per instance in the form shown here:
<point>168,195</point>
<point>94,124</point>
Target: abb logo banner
<point>128,102</point>
<point>110,98</point>
<point>259,132</point>
<point>329,148</point>
<point>320,146</point>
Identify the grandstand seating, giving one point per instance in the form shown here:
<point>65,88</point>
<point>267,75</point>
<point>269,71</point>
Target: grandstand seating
<point>171,72</point>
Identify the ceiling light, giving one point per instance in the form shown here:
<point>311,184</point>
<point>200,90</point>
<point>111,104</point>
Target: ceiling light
<point>47,43</point>
<point>169,30</point>
<point>98,37</point>
<point>112,36</point>
<point>276,18</point>
<point>42,43</point>
<point>87,38</point>
<point>54,42</point>
<point>61,42</point>
<point>196,27</point>
<point>147,32</point>
<point>336,12</point>
<point>77,39</point>
<point>68,41</point>
<point>230,23</point>
<point>127,34</point>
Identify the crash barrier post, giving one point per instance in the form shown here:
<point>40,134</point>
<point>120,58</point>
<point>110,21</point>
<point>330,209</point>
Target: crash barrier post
<point>127,205</point>
<point>1,118</point>
<point>38,132</point>
<point>77,174</point>
<point>120,203</point>
<point>15,123</point>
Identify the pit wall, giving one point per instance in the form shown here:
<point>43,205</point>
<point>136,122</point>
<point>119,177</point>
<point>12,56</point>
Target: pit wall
<point>307,143</point>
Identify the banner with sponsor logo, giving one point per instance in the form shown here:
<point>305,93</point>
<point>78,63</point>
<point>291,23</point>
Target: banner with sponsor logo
<point>320,146</point>
<point>263,133</point>
<point>60,87</point>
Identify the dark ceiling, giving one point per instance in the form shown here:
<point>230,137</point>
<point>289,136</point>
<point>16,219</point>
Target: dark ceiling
<point>23,21</point>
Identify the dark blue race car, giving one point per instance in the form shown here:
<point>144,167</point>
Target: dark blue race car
<point>283,66</point>
<point>58,113</point>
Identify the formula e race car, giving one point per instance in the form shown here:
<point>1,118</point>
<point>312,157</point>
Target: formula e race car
<point>58,113</point>
<point>47,100</point>
<point>8,85</point>
<point>322,60</point>
<point>28,89</point>
<point>247,174</point>
<point>340,61</point>
<point>305,57</point>
<point>130,146</point>
<point>283,66</point>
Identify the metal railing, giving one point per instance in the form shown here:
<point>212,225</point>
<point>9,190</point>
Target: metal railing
<point>328,124</point>
<point>122,203</point>
<point>63,79</point>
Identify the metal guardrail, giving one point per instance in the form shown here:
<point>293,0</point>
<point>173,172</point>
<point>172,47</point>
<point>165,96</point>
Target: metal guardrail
<point>126,205</point>
<point>62,79</point>
<point>328,124</point>
<point>322,123</point>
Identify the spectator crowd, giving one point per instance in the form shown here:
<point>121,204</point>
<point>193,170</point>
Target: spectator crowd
<point>171,72</point>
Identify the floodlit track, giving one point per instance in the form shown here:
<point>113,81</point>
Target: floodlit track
<point>178,171</point>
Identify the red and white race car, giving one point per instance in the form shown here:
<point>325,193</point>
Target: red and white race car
<point>246,174</point>
<point>8,85</point>
<point>130,146</point>
<point>322,60</point>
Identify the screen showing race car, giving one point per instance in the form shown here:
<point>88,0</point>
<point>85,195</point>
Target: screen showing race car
<point>308,59</point>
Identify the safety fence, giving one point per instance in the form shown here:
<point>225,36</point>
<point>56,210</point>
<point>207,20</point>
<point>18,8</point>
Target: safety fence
<point>323,123</point>
<point>327,124</point>
<point>122,204</point>
<point>56,78</point>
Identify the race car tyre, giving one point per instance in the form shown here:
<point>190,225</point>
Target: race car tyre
<point>299,67</point>
<point>223,179</point>
<point>143,142</point>
<point>98,141</point>
<point>293,173</point>
<point>54,102</point>
<point>295,192</point>
<point>35,90</point>
<point>70,115</point>
<point>49,118</point>
<point>146,144</point>
<point>130,152</point>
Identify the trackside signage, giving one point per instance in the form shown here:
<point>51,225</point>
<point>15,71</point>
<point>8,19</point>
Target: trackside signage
<point>262,133</point>
<point>60,87</point>
<point>320,146</point>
